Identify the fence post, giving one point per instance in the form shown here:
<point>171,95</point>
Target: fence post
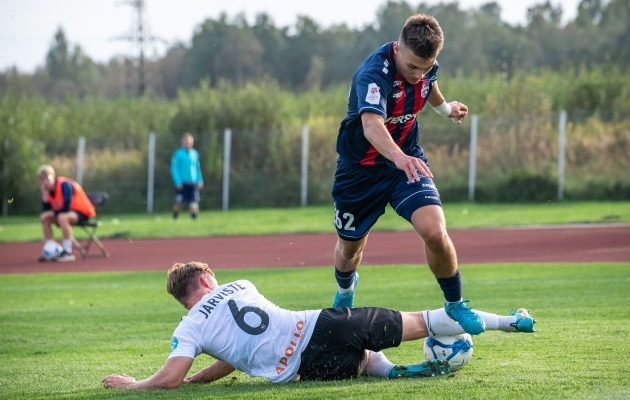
<point>151,172</point>
<point>227,135</point>
<point>80,155</point>
<point>5,179</point>
<point>473,157</point>
<point>304,191</point>
<point>561,144</point>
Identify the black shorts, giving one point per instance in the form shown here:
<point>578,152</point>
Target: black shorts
<point>82,218</point>
<point>189,193</point>
<point>341,337</point>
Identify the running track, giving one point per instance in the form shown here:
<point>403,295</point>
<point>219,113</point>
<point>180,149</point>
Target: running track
<point>577,243</point>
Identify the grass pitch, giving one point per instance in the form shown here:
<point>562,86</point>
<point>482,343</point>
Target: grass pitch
<point>60,334</point>
<point>319,219</point>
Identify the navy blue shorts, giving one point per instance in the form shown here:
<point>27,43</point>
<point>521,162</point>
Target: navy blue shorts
<point>189,193</point>
<point>362,194</point>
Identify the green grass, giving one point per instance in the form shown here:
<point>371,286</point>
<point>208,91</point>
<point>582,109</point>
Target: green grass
<point>319,219</point>
<point>60,334</point>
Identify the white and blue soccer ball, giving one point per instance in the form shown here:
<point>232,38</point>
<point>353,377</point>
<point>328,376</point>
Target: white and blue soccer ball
<point>456,349</point>
<point>51,250</point>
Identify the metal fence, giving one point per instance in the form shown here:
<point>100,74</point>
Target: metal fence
<point>488,158</point>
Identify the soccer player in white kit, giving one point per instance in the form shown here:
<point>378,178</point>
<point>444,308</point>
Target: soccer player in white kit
<point>244,331</point>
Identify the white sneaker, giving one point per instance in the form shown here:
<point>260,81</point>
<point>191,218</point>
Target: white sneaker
<point>64,257</point>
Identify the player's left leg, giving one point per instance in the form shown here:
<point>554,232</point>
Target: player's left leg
<point>430,224</point>
<point>65,221</point>
<point>194,201</point>
<point>377,364</point>
<point>418,325</point>
<point>420,204</point>
<point>194,210</point>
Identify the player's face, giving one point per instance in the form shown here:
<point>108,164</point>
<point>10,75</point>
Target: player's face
<point>47,182</point>
<point>409,65</point>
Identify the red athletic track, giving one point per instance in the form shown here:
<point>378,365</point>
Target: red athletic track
<point>585,243</point>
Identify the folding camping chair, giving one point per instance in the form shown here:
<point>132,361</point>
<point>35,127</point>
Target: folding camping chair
<point>98,199</point>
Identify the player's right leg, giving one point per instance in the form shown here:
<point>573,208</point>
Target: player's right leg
<point>47,218</point>
<point>348,256</point>
<point>65,221</point>
<point>420,204</point>
<point>179,201</point>
<point>360,199</point>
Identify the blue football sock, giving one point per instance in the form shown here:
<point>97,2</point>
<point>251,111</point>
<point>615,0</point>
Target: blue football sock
<point>451,287</point>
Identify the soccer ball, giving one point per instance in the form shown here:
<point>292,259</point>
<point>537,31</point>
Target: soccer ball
<point>51,250</point>
<point>457,349</point>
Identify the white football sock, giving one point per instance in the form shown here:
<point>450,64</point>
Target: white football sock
<point>378,365</point>
<point>67,245</point>
<point>342,290</point>
<point>439,323</point>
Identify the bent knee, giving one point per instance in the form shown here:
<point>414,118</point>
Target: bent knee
<point>350,249</point>
<point>47,217</point>
<point>436,238</point>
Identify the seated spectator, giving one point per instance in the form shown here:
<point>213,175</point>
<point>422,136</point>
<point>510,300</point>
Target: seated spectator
<point>64,204</point>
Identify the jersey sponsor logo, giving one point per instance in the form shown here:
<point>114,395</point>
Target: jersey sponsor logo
<point>398,83</point>
<point>402,119</point>
<point>428,185</point>
<point>425,89</point>
<point>174,343</point>
<point>432,197</point>
<point>397,95</point>
<point>373,94</point>
<point>283,363</point>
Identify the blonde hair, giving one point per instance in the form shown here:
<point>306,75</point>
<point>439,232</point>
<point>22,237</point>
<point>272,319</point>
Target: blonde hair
<point>181,279</point>
<point>45,170</point>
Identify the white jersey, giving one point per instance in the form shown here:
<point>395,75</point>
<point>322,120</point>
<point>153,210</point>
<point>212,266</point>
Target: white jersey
<point>236,324</point>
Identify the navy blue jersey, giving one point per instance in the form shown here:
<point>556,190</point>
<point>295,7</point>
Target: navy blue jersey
<point>378,88</point>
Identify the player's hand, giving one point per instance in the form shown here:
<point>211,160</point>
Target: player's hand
<point>179,187</point>
<point>118,381</point>
<point>459,112</point>
<point>200,186</point>
<point>413,167</point>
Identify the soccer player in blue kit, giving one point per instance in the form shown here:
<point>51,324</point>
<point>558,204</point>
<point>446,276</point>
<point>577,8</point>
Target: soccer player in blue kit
<point>381,162</point>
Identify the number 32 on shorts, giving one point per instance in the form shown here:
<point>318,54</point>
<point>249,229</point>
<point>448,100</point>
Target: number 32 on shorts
<point>347,217</point>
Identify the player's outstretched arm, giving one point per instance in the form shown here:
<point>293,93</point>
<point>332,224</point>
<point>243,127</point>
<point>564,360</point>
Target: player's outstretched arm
<point>455,110</point>
<point>219,369</point>
<point>170,376</point>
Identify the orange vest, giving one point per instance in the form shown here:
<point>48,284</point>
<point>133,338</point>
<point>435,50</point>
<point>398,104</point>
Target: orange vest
<point>79,201</point>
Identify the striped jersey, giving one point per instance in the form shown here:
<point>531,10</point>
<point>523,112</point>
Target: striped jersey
<point>377,87</point>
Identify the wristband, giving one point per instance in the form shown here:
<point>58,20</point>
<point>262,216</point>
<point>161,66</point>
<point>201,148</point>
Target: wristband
<point>443,109</point>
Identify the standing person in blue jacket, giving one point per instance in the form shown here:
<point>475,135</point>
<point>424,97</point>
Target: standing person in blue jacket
<point>380,162</point>
<point>186,174</point>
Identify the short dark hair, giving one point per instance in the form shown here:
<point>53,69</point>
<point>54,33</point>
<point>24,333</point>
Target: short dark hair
<point>423,36</point>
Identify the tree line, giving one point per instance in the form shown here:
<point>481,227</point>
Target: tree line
<point>307,56</point>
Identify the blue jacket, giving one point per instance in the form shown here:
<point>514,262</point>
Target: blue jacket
<point>185,167</point>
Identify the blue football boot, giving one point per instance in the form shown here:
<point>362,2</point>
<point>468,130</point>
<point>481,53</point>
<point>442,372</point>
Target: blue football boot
<point>469,321</point>
<point>346,299</point>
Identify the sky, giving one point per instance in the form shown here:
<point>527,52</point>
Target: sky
<point>27,27</point>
